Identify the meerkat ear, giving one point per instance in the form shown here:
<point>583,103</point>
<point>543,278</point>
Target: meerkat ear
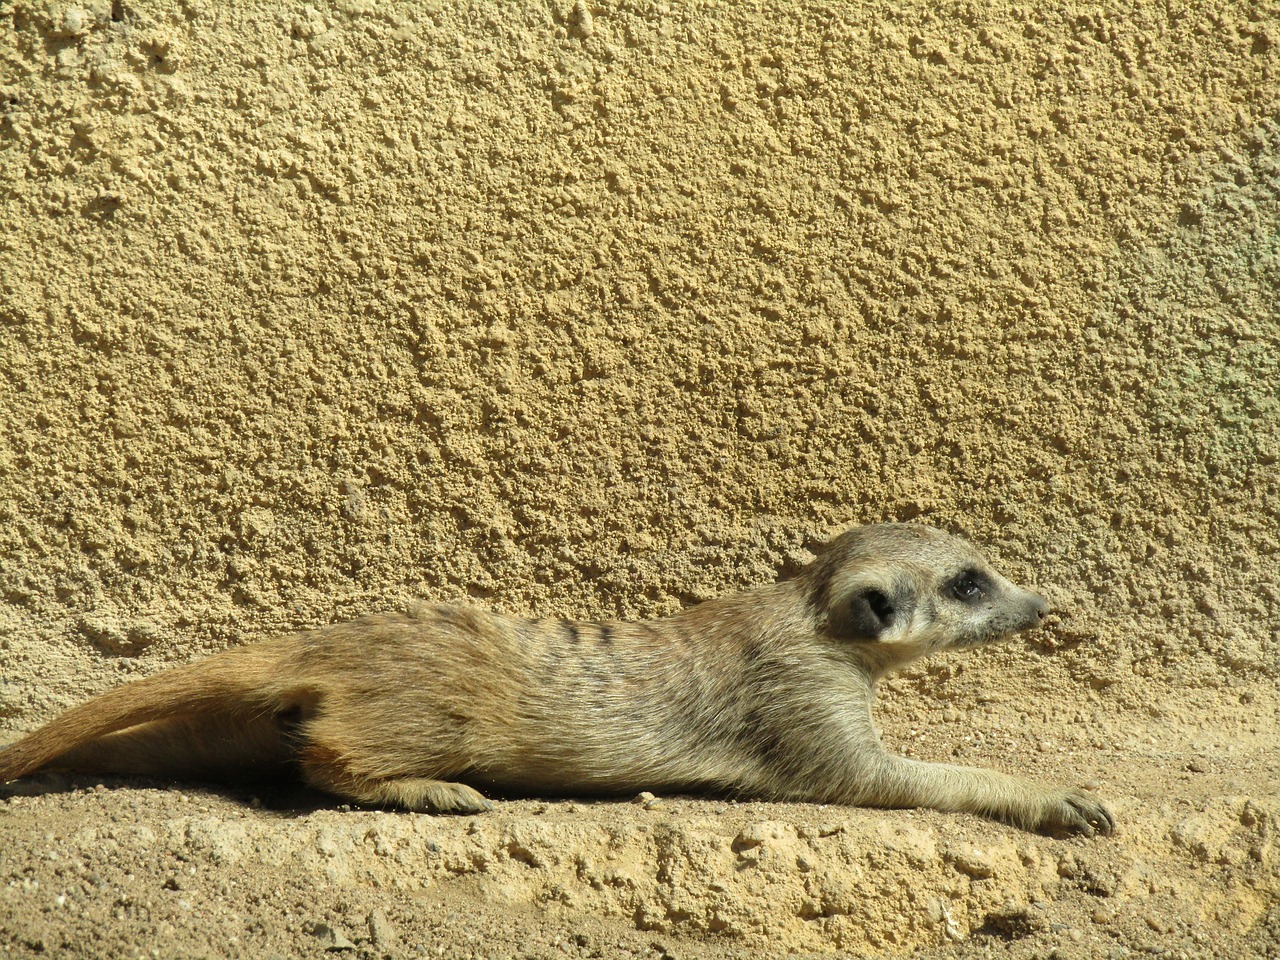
<point>864,614</point>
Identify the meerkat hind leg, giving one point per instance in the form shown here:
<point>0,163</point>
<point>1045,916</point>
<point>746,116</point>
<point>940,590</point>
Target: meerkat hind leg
<point>419,794</point>
<point>422,795</point>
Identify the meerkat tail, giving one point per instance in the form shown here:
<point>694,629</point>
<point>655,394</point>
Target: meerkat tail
<point>236,681</point>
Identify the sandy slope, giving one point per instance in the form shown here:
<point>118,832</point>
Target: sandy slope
<point>597,310</point>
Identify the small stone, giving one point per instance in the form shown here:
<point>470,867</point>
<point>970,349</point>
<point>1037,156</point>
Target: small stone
<point>76,22</point>
<point>972,862</point>
<point>656,803</point>
<point>755,834</point>
<point>1252,814</point>
<point>1198,766</point>
<point>331,939</point>
<point>1158,923</point>
<point>584,24</point>
<point>380,929</point>
<point>1104,914</point>
<point>643,797</point>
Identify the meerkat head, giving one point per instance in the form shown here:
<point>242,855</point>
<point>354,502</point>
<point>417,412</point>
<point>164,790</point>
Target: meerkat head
<point>902,591</point>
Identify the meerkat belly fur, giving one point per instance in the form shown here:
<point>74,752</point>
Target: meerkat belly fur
<point>762,694</point>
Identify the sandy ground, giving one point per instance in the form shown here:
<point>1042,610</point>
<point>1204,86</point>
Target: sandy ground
<point>597,310</point>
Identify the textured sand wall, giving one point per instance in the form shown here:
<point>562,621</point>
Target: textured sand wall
<point>600,309</point>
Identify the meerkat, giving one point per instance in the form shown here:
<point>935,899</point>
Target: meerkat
<point>762,694</point>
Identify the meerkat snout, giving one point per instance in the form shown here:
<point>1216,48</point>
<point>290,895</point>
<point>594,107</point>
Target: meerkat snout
<point>1027,610</point>
<point>1041,606</point>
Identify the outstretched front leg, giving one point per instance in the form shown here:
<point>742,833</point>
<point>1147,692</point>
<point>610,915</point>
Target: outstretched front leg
<point>1022,803</point>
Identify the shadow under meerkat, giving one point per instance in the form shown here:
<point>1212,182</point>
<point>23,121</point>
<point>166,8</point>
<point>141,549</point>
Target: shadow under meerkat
<point>762,694</point>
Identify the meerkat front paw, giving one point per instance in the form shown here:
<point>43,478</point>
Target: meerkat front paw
<point>1074,811</point>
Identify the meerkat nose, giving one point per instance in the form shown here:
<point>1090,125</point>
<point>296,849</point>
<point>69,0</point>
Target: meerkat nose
<point>1040,605</point>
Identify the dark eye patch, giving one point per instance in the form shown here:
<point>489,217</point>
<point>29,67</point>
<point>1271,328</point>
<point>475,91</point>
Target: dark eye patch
<point>968,586</point>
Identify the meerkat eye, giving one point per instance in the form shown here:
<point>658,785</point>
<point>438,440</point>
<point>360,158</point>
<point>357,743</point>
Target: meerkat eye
<point>969,587</point>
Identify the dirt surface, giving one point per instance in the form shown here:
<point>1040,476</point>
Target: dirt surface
<point>597,310</point>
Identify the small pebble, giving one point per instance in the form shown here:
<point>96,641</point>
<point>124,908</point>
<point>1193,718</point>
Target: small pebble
<point>331,939</point>
<point>583,20</point>
<point>755,834</point>
<point>1104,914</point>
<point>971,862</point>
<point>381,930</point>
